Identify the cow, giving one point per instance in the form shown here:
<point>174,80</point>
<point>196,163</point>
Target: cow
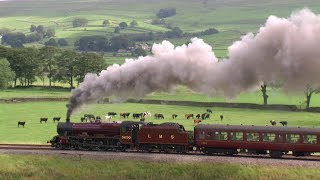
<point>83,119</point>
<point>89,117</point>
<point>273,122</point>
<point>56,119</point>
<point>21,123</point>
<point>284,123</point>
<point>221,117</point>
<point>207,116</point>
<point>108,118</point>
<point>188,116</point>
<point>112,113</point>
<point>137,115</point>
<point>43,119</point>
<point>174,116</point>
<point>158,116</point>
<point>197,121</point>
<point>203,116</point>
<point>209,111</point>
<point>146,114</point>
<point>198,116</point>
<point>124,115</point>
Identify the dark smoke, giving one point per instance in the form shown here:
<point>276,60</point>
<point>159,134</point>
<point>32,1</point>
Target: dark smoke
<point>284,50</point>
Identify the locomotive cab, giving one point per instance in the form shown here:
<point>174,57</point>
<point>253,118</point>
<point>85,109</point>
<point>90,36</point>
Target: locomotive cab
<point>129,132</point>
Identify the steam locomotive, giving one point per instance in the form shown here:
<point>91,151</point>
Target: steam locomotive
<point>173,138</point>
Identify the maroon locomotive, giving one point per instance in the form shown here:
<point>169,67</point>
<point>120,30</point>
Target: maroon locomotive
<point>172,137</point>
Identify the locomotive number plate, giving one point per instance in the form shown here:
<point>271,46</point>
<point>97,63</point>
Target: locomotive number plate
<point>125,137</point>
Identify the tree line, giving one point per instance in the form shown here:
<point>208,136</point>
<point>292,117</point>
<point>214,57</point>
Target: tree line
<point>58,65</point>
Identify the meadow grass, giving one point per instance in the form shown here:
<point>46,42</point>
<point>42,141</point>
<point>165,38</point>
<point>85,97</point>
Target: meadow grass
<point>70,167</point>
<point>35,132</point>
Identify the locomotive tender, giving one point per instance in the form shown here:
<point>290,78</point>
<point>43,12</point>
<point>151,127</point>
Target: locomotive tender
<point>172,137</point>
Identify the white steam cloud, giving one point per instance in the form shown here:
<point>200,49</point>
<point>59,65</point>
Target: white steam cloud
<point>284,50</point>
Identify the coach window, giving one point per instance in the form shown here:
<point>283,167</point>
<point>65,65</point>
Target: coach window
<point>202,135</point>
<point>268,137</point>
<point>252,136</point>
<point>310,139</point>
<point>293,138</point>
<point>237,136</point>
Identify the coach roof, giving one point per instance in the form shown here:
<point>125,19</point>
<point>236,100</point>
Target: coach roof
<point>274,129</point>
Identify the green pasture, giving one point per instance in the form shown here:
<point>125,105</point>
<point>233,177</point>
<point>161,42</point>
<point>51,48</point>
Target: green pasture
<point>34,132</point>
<point>70,167</point>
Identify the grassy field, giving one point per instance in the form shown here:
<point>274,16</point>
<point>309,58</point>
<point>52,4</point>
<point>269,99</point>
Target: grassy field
<point>34,132</point>
<point>44,167</point>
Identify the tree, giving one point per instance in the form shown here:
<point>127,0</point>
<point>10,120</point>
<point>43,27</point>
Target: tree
<point>139,52</point>
<point>62,42</point>
<point>116,30</point>
<point>14,39</point>
<point>33,37</point>
<point>123,25</point>
<point>48,57</point>
<point>67,64</point>
<point>88,63</point>
<point>6,74</point>
<point>50,32</point>
<point>120,42</point>
<point>106,23</point>
<point>92,43</point>
<point>264,94</point>
<point>166,12</point>
<point>51,42</point>
<point>133,23</point>
<point>308,93</point>
<point>40,29</point>
<point>33,28</point>
<point>80,22</point>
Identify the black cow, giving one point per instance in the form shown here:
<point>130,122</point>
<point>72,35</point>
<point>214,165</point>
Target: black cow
<point>284,123</point>
<point>89,117</point>
<point>203,116</point>
<point>207,116</point>
<point>221,117</point>
<point>159,116</point>
<point>198,116</point>
<point>209,110</point>
<point>125,115</point>
<point>137,115</point>
<point>112,114</point>
<point>21,123</point>
<point>43,119</point>
<point>56,119</point>
<point>174,116</point>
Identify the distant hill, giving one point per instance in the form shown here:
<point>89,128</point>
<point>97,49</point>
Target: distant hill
<point>232,18</point>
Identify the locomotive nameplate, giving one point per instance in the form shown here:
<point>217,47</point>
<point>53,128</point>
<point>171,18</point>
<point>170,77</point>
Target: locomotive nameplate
<point>125,137</point>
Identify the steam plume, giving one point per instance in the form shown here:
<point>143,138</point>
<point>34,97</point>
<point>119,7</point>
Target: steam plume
<point>284,50</point>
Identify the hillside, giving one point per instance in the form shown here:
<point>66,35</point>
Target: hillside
<point>232,18</point>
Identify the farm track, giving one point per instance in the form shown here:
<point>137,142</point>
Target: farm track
<point>287,160</point>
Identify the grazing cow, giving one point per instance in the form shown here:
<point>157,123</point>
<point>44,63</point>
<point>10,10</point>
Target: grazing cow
<point>89,117</point>
<point>203,116</point>
<point>207,116</point>
<point>137,115</point>
<point>273,122</point>
<point>174,116</point>
<point>21,123</point>
<point>221,117</point>
<point>146,114</point>
<point>108,118</point>
<point>158,116</point>
<point>124,115</point>
<point>209,111</point>
<point>197,121</point>
<point>284,123</point>
<point>43,119</point>
<point>83,119</point>
<point>112,113</point>
<point>188,116</point>
<point>198,116</point>
<point>56,119</point>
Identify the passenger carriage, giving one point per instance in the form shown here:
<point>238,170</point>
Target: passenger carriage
<point>230,139</point>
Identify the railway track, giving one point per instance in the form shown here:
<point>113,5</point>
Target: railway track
<point>38,147</point>
<point>26,147</point>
